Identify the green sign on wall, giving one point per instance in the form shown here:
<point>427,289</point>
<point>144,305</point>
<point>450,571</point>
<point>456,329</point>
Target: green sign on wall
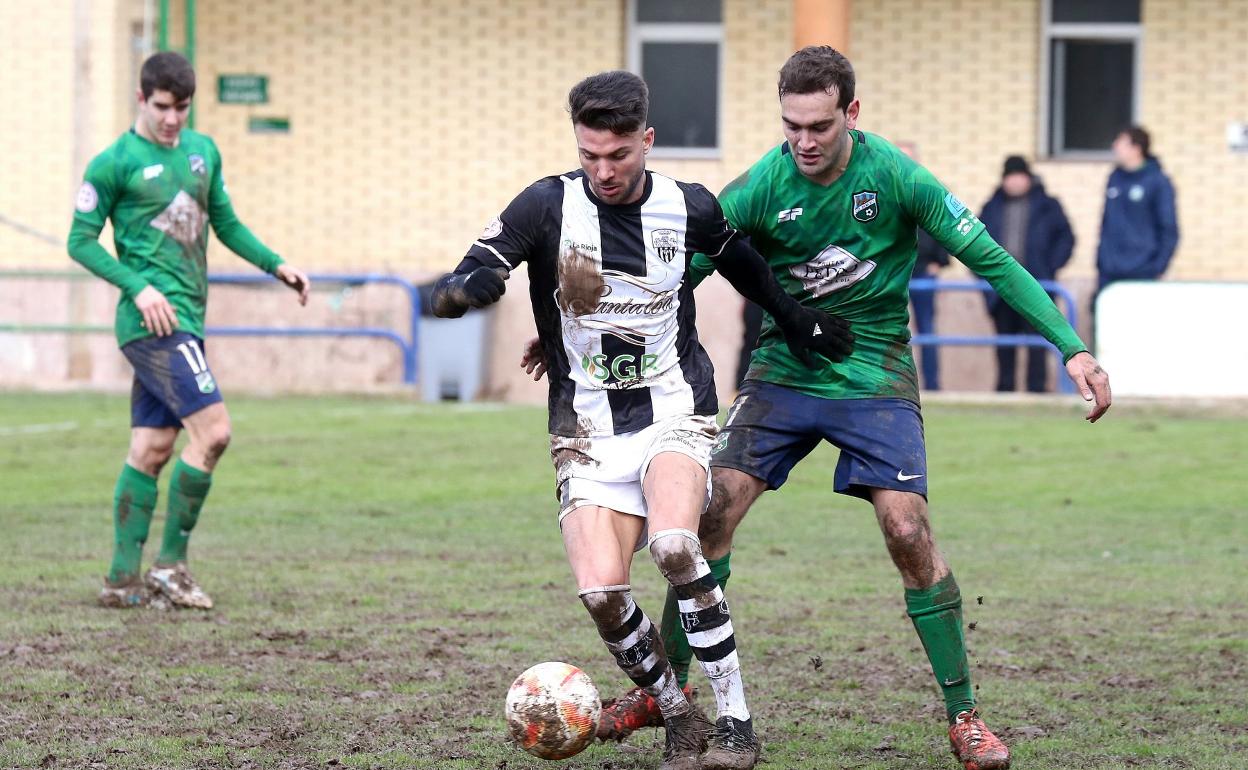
<point>243,89</point>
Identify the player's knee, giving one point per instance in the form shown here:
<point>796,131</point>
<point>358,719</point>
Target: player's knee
<point>607,605</point>
<point>676,552</point>
<point>216,441</point>
<point>907,532</point>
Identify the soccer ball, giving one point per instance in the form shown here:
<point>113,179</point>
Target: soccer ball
<point>552,710</point>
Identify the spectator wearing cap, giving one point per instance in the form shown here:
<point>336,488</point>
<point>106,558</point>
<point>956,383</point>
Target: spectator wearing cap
<point>1139,229</point>
<point>1029,224</point>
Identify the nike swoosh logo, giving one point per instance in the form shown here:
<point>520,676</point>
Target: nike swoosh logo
<point>904,477</point>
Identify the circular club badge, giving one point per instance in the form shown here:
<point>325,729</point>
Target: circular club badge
<point>492,229</point>
<point>87,198</point>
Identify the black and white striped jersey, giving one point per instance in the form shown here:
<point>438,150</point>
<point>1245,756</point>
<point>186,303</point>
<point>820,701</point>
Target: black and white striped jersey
<point>614,313</point>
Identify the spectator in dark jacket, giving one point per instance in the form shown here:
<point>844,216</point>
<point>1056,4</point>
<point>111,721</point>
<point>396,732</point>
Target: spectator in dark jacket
<point>1029,224</point>
<point>1139,229</point>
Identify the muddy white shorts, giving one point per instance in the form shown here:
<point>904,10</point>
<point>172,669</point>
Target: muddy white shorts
<point>607,470</point>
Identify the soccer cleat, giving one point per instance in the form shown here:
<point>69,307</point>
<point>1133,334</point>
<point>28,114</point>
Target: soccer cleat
<point>630,712</point>
<point>125,596</point>
<point>685,740</point>
<point>176,584</point>
<point>974,745</point>
<point>732,746</point>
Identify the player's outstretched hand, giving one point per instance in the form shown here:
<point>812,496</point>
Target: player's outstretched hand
<point>295,279</point>
<point>808,332</point>
<point>533,359</point>
<point>1092,382</point>
<point>159,317</point>
<point>483,287</point>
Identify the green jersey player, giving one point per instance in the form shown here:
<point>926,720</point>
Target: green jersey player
<point>161,185</point>
<point>834,211</point>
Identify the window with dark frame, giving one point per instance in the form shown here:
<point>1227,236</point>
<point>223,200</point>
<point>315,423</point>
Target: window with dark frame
<point>1092,52</point>
<point>677,48</point>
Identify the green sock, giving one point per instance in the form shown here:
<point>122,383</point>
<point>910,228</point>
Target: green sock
<point>675,643</point>
<point>134,499</point>
<point>187,489</point>
<point>937,616</point>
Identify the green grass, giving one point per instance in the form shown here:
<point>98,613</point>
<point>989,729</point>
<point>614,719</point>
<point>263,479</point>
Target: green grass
<point>383,569</point>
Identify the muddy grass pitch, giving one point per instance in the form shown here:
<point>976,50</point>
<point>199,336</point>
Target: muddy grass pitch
<point>383,570</point>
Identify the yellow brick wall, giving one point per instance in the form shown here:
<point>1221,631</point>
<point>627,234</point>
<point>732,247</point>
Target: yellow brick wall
<point>962,80</point>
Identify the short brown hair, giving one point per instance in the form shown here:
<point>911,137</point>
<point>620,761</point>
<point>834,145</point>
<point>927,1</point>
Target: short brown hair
<point>618,101</point>
<point>818,69</point>
<point>167,71</point>
<point>1139,137</point>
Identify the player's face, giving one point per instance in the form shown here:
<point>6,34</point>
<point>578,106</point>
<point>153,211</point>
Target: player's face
<point>615,164</point>
<point>816,129</point>
<point>162,117</point>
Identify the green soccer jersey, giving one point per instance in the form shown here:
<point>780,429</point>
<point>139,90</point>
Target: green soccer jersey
<point>161,201</point>
<point>849,248</point>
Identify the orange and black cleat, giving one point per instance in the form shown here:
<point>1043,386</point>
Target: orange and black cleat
<point>630,712</point>
<point>974,744</point>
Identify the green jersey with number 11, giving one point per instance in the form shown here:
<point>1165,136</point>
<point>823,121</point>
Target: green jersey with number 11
<point>849,248</point>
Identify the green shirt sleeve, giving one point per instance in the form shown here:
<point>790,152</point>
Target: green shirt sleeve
<point>233,233</point>
<point>733,200</point>
<point>92,208</point>
<point>1022,292</point>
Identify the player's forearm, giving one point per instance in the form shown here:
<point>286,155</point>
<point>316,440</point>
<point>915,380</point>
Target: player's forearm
<point>1022,292</point>
<point>751,276</point>
<point>238,239</point>
<point>700,268</point>
<point>448,298</point>
<point>86,250</point>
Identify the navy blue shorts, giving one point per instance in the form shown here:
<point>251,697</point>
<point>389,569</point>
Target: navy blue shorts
<point>770,428</point>
<point>171,380</point>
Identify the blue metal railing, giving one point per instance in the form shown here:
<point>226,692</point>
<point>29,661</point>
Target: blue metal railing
<point>1064,385</point>
<point>407,346</point>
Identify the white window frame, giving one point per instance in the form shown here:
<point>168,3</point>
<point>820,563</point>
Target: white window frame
<point>640,33</point>
<point>1050,112</point>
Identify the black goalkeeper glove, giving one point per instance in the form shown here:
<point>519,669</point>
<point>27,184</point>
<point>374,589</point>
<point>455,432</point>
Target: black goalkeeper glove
<point>483,287</point>
<point>808,332</point>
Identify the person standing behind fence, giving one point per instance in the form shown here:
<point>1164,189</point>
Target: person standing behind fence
<point>932,258</point>
<point>1031,225</point>
<point>1139,229</point>
<point>161,185</point>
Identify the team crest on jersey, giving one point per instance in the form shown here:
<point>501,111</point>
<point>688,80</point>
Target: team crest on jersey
<point>866,205</point>
<point>198,165</point>
<point>87,198</point>
<point>666,242</point>
<point>492,229</point>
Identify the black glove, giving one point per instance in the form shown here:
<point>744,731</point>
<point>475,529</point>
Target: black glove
<point>808,331</point>
<point>483,286</point>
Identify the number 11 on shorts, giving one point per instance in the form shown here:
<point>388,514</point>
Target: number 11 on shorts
<point>194,356</point>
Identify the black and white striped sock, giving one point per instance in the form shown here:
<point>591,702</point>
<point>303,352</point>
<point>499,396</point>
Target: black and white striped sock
<point>635,643</point>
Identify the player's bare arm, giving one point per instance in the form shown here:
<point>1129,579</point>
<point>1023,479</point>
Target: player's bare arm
<point>296,279</point>
<point>1092,382</point>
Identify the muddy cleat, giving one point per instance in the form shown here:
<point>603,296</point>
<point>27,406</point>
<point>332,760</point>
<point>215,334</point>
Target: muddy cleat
<point>630,712</point>
<point>975,746</point>
<point>176,584</point>
<point>124,596</point>
<point>732,746</point>
<point>686,740</point>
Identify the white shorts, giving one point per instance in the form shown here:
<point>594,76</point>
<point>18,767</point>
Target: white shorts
<point>607,471</point>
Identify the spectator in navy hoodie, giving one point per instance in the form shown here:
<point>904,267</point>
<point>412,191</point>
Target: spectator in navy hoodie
<point>1029,224</point>
<point>1139,230</point>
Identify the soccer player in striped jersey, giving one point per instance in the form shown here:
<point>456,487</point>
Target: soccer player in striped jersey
<point>161,185</point>
<point>632,397</point>
<point>834,211</point>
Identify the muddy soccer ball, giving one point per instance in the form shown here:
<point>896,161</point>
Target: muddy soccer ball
<point>552,710</point>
